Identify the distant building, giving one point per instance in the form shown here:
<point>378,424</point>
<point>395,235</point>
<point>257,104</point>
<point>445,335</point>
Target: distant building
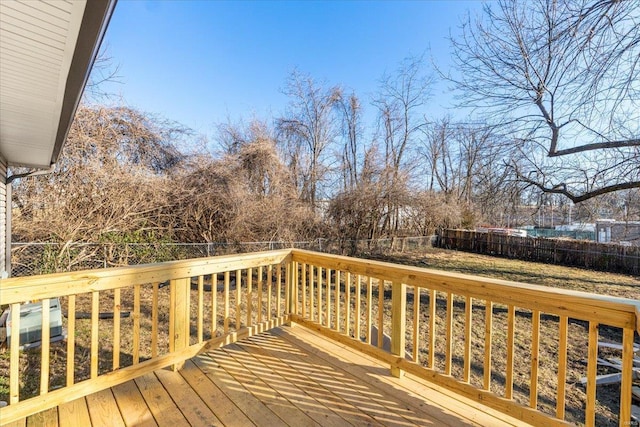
<point>623,232</point>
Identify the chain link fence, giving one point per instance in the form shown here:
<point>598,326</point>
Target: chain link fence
<point>28,259</point>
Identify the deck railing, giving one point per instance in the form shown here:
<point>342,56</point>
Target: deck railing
<point>466,333</point>
<point>124,322</point>
<point>485,339</point>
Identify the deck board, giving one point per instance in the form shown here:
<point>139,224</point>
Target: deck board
<point>287,376</point>
<point>74,413</point>
<point>252,407</point>
<point>273,398</point>
<point>103,409</point>
<point>310,380</point>
<point>294,391</point>
<point>383,398</point>
<point>430,398</point>
<point>226,411</point>
<point>164,409</point>
<point>188,401</point>
<point>133,407</point>
<point>48,418</point>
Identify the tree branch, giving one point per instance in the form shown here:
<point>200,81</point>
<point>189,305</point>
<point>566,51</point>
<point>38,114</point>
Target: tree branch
<point>577,198</point>
<point>595,146</point>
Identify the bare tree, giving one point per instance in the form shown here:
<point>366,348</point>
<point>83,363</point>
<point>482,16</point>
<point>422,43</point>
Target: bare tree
<point>308,128</point>
<point>564,77</point>
<point>350,112</point>
<point>111,181</point>
<point>246,195</point>
<point>467,163</point>
<point>357,213</point>
<point>399,101</point>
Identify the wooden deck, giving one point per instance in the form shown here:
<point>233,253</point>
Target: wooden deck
<point>288,376</point>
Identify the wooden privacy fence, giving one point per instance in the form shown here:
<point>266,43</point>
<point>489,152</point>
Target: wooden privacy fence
<point>480,337</point>
<point>576,253</point>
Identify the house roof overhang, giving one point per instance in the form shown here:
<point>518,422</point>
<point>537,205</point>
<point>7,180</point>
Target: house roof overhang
<point>47,50</point>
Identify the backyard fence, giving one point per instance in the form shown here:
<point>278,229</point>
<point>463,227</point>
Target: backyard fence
<point>28,259</point>
<point>576,253</point>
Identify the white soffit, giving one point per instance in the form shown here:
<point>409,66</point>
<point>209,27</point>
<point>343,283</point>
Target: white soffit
<point>39,44</point>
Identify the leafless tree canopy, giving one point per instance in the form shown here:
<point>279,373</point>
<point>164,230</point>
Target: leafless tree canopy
<point>557,83</point>
<point>307,130</point>
<point>112,179</point>
<point>563,78</point>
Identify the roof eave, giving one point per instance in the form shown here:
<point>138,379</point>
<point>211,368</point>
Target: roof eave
<point>94,25</point>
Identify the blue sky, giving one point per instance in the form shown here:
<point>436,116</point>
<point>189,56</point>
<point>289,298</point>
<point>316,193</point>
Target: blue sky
<point>203,62</point>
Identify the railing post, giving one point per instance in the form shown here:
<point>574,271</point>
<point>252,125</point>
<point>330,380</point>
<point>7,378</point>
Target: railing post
<point>179,317</point>
<point>398,323</point>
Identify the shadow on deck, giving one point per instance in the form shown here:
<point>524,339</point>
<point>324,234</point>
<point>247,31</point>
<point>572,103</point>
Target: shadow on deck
<point>287,376</point>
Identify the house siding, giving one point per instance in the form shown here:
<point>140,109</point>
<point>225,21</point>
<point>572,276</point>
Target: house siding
<point>3,215</point>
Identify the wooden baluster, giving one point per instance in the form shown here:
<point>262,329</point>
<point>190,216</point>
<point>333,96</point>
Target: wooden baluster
<point>95,311</point>
<point>269,290</point>
<point>510,350</point>
<point>535,354</point>
<point>337,299</point>
<point>260,297</point>
<point>154,320</point>
<point>319,284</point>
<point>136,324</point>
<point>398,323</point>
<point>468,323</point>
<point>488,321</point>
<point>347,303</point>
<point>293,288</point>
<point>416,322</point>
<point>14,358</point>
<point>226,302</point>
<point>288,302</point>
<point>249,297</point>
<point>278,290</point>
<point>200,309</point>
<point>238,299</point>
<point>116,329</point>
<point>71,339</point>
<point>449,334</point>
<point>45,344</point>
<point>319,291</point>
<point>312,311</point>
<point>627,380</point>
<point>380,312</point>
<point>214,305</point>
<point>356,326</point>
<point>592,370</point>
<point>328,294</point>
<point>562,366</point>
<point>303,279</point>
<point>432,328</point>
<point>369,308</point>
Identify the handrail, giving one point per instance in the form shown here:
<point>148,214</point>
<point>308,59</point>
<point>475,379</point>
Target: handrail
<point>339,282</point>
<point>622,312</point>
<point>20,289</point>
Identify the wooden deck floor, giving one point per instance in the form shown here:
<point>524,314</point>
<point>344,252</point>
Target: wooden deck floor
<point>288,376</point>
